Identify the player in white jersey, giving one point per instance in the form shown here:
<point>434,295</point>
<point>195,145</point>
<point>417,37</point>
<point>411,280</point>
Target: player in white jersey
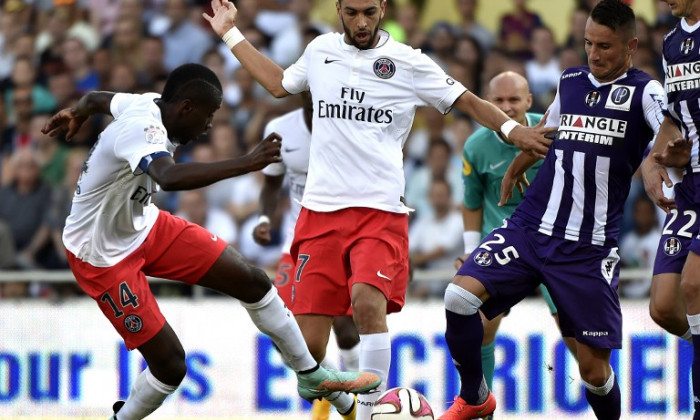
<point>351,239</point>
<point>295,130</point>
<point>115,236</point>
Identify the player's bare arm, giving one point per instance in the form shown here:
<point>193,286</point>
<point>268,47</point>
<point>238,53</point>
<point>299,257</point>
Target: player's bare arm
<point>654,172</point>
<point>531,140</point>
<point>69,120</point>
<point>264,71</point>
<point>269,199</point>
<point>472,220</point>
<point>515,176</point>
<point>173,176</point>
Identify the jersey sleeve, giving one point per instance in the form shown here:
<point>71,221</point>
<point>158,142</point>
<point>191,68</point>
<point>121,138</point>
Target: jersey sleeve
<point>473,185</point>
<point>277,168</point>
<point>433,86</point>
<point>120,102</point>
<point>654,104</point>
<point>295,77</point>
<point>141,144</point>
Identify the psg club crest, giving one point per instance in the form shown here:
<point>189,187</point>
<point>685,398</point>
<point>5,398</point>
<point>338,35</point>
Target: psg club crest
<point>483,258</point>
<point>687,45</point>
<point>592,98</point>
<point>133,323</point>
<point>384,68</point>
<point>672,246</point>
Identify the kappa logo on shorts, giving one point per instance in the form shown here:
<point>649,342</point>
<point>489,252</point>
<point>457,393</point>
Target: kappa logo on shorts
<point>483,258</point>
<point>133,323</point>
<point>607,266</point>
<point>672,246</point>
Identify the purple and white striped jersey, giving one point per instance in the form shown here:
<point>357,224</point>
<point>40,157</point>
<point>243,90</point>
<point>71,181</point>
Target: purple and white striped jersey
<point>604,128</point>
<point>681,52</point>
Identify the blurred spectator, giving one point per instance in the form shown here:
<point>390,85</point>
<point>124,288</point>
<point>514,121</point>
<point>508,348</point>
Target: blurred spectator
<point>17,133</point>
<point>122,78</point>
<point>287,45</point>
<point>469,26</point>
<point>543,70</point>
<point>152,66</point>
<point>23,206</point>
<point>469,54</point>
<point>24,77</point>
<point>439,166</point>
<point>193,207</point>
<point>638,248</point>
<point>102,65</point>
<point>184,41</point>
<point>441,44</point>
<point>14,290</point>
<point>10,30</point>
<point>125,44</point>
<point>50,153</point>
<point>435,239</point>
<point>62,89</point>
<point>76,59</point>
<point>577,30</point>
<point>569,57</point>
<point>7,247</point>
<point>61,200</point>
<point>408,19</point>
<point>516,30</point>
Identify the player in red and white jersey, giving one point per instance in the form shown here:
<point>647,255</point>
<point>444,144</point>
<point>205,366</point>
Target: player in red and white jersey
<point>295,130</point>
<point>351,239</point>
<point>115,236</point>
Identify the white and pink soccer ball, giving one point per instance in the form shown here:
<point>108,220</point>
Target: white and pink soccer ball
<point>401,404</point>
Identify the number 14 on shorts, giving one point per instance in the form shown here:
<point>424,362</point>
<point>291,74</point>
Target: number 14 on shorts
<point>126,298</point>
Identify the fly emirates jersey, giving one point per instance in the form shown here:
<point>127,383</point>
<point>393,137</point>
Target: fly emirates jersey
<point>112,211</point>
<point>364,104</point>
<point>296,139</point>
<point>681,53</point>
<point>580,190</point>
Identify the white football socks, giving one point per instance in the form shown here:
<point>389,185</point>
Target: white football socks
<point>147,394</point>
<point>375,357</point>
<point>351,358</point>
<point>274,319</point>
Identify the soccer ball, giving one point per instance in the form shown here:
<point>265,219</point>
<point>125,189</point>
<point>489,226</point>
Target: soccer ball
<point>401,404</point>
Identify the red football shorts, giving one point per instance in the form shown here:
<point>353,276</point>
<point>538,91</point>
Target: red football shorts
<point>283,279</point>
<point>334,250</point>
<point>175,249</point>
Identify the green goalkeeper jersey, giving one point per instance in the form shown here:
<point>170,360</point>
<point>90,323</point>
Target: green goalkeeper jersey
<point>485,159</point>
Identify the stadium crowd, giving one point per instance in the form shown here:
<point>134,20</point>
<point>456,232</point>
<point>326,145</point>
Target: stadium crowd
<point>53,51</point>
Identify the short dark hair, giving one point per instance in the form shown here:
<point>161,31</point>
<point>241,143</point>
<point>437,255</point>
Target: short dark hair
<point>194,82</point>
<point>616,15</point>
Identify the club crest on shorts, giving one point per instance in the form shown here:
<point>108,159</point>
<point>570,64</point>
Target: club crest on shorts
<point>384,68</point>
<point>687,45</point>
<point>133,323</point>
<point>483,258</point>
<point>592,98</point>
<point>672,246</point>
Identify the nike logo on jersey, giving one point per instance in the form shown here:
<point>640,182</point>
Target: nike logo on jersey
<point>214,238</point>
<point>379,274</point>
<point>496,165</point>
<point>288,150</point>
<point>327,61</point>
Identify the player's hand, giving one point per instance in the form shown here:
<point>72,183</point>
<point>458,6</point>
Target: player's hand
<point>655,175</point>
<point>265,153</point>
<point>459,261</point>
<point>224,16</point>
<point>261,234</point>
<point>676,154</point>
<point>65,121</point>
<point>509,182</point>
<point>533,140</point>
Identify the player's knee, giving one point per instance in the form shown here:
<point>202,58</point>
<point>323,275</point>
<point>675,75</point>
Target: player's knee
<point>461,301</point>
<point>172,369</point>
<point>594,376</point>
<point>690,286</point>
<point>662,312</point>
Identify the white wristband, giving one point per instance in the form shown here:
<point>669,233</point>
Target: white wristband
<point>232,37</point>
<point>508,126</point>
<point>263,219</point>
<point>472,239</point>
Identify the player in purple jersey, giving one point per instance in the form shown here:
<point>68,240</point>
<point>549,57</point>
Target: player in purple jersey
<point>564,232</point>
<point>675,291</point>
